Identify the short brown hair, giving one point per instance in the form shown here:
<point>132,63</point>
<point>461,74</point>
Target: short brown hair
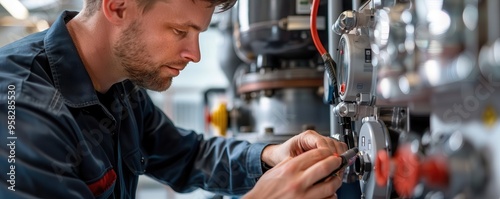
<point>92,6</point>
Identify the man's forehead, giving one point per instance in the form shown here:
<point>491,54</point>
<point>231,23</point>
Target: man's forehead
<point>197,16</point>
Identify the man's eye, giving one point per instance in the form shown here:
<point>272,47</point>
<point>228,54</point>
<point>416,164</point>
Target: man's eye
<point>179,32</point>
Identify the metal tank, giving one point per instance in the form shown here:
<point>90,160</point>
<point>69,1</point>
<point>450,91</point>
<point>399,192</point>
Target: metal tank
<point>279,89</point>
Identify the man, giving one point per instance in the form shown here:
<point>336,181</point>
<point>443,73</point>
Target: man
<point>76,121</point>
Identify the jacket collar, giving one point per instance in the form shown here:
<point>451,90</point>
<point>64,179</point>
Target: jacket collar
<point>69,74</point>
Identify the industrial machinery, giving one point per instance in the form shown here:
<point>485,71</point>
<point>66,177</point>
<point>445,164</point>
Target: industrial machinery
<point>413,84</point>
<point>276,90</point>
<point>416,90</point>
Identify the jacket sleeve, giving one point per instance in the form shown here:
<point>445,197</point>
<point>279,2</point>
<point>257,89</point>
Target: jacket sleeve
<point>185,160</point>
<point>37,153</point>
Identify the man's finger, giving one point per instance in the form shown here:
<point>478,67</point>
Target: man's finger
<point>325,142</point>
<point>340,147</point>
<point>311,139</point>
<point>309,158</point>
<point>325,189</point>
<point>320,170</point>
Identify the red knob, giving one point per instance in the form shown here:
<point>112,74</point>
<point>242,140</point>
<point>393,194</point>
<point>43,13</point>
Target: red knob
<point>342,88</point>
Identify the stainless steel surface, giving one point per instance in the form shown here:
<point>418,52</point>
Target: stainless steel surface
<point>276,75</point>
<point>473,116</point>
<point>373,136</point>
<point>303,23</point>
<point>354,67</point>
<point>273,27</point>
<point>345,23</point>
<point>281,89</point>
<point>346,109</point>
<point>436,76</point>
<point>286,112</point>
<point>489,61</point>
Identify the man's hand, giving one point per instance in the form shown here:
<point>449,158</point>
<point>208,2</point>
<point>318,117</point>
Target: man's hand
<point>298,166</point>
<point>274,154</point>
<point>298,177</point>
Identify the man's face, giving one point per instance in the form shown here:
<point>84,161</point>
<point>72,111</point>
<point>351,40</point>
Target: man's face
<point>158,44</point>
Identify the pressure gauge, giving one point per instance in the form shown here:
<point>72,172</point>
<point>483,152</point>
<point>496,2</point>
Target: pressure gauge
<point>354,66</point>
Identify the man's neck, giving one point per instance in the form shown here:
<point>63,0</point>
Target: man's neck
<point>93,40</point>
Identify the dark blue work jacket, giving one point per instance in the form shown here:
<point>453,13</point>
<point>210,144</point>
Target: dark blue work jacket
<point>61,139</point>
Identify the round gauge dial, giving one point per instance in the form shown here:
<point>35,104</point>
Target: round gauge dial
<point>342,67</point>
<point>354,68</point>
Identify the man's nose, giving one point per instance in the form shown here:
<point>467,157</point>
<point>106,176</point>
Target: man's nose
<point>191,50</point>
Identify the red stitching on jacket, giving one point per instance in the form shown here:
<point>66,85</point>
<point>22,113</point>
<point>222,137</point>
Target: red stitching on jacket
<point>103,184</point>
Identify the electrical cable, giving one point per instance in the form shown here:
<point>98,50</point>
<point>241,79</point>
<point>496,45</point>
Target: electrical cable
<point>329,63</point>
<point>314,29</point>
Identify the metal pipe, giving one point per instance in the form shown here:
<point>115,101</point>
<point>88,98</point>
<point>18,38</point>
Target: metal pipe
<point>493,16</point>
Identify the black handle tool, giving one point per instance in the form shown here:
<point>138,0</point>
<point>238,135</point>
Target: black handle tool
<point>348,158</point>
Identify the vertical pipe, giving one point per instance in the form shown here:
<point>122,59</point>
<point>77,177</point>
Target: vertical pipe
<point>356,4</point>
<point>493,16</point>
<point>334,10</point>
<point>347,190</point>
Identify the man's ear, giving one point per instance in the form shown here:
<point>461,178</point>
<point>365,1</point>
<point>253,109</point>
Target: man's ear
<point>116,10</point>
